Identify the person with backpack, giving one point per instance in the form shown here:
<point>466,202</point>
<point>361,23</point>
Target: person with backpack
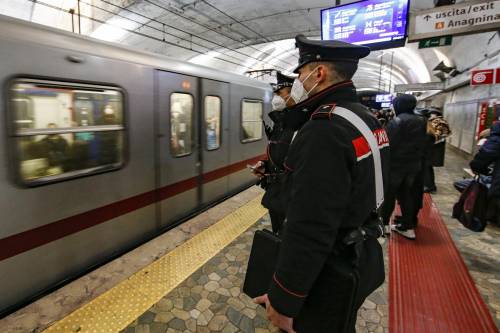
<point>438,130</point>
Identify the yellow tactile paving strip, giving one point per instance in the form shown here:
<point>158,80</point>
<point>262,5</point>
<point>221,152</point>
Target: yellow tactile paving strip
<point>117,308</point>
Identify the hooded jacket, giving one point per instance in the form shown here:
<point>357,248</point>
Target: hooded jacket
<point>488,154</point>
<point>407,136</point>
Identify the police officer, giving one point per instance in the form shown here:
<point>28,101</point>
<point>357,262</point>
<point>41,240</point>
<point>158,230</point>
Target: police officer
<point>330,260</point>
<point>279,137</point>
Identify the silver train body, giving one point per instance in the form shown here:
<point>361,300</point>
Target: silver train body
<point>149,152</point>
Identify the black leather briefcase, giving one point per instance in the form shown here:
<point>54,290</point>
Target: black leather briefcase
<point>262,263</point>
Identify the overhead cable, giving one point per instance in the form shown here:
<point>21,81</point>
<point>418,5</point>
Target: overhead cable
<point>138,33</point>
<point>175,28</point>
<point>210,28</point>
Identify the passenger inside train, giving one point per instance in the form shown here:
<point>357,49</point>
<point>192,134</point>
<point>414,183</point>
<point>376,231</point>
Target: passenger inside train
<point>84,130</point>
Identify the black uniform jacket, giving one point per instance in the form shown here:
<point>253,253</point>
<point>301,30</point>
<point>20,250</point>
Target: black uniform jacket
<point>330,188</point>
<point>286,123</point>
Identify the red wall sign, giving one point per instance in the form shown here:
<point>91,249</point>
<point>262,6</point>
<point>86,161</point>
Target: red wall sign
<point>483,114</point>
<point>482,76</point>
<point>498,76</point>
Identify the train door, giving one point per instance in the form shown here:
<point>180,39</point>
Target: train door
<point>178,149</point>
<point>214,139</point>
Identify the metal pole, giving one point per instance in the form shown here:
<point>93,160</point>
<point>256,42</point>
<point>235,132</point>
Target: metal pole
<point>79,23</point>
<point>390,77</point>
<point>72,12</point>
<point>32,10</point>
<point>380,72</point>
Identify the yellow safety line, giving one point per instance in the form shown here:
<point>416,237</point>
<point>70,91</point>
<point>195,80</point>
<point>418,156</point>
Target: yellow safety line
<point>114,310</point>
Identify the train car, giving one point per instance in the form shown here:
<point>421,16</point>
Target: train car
<point>103,147</point>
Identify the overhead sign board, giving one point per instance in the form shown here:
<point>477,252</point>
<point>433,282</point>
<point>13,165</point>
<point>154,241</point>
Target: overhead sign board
<point>435,42</point>
<point>383,98</point>
<point>378,24</point>
<point>399,88</point>
<point>482,76</point>
<point>460,19</point>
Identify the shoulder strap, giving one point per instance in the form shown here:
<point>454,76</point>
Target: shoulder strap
<point>361,126</point>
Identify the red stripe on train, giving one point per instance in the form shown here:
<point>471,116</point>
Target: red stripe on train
<point>30,239</point>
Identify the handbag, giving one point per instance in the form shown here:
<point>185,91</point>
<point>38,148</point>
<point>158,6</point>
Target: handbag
<point>266,245</point>
<point>471,210</point>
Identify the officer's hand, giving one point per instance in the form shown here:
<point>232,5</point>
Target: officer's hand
<point>278,320</point>
<point>259,169</point>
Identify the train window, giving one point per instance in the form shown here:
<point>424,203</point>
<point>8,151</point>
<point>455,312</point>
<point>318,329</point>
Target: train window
<point>213,121</point>
<point>63,130</point>
<point>251,120</point>
<point>181,124</point>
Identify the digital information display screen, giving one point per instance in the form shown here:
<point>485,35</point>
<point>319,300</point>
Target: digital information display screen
<point>378,24</point>
<point>383,98</point>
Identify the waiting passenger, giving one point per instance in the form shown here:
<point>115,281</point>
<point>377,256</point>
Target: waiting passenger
<point>489,154</point>
<point>279,136</point>
<point>437,130</point>
<point>407,136</point>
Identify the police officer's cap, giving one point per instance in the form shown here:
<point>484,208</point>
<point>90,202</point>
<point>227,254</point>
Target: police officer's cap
<point>282,81</point>
<point>327,50</point>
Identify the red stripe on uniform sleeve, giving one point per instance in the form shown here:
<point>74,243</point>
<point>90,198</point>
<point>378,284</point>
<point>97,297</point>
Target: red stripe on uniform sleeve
<point>286,290</point>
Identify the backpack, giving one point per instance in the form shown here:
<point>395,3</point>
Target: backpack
<point>438,127</point>
<point>472,207</point>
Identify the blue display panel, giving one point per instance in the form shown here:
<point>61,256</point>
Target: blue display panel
<point>379,24</point>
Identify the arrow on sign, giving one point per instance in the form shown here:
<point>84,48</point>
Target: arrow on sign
<point>427,17</point>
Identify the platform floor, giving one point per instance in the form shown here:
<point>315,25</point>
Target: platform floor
<point>480,251</point>
<point>209,299</point>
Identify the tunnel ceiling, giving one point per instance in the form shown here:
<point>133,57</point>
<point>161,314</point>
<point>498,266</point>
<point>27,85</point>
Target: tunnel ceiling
<point>230,35</point>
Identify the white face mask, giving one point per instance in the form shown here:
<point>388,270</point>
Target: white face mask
<point>278,103</point>
<point>298,92</point>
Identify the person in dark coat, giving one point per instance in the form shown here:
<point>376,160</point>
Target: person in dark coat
<point>326,267</point>
<point>408,139</point>
<point>438,130</point>
<point>489,154</point>
<point>271,171</point>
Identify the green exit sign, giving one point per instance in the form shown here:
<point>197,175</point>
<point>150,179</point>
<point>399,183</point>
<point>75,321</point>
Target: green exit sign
<point>435,42</point>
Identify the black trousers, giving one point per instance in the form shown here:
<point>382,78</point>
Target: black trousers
<point>418,192</point>
<point>340,289</point>
<point>277,220</point>
<point>429,178</point>
<point>402,188</point>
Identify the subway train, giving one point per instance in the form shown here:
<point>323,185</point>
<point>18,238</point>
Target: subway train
<point>104,147</point>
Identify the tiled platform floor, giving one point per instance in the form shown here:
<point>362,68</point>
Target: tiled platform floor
<point>480,251</point>
<point>211,299</point>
